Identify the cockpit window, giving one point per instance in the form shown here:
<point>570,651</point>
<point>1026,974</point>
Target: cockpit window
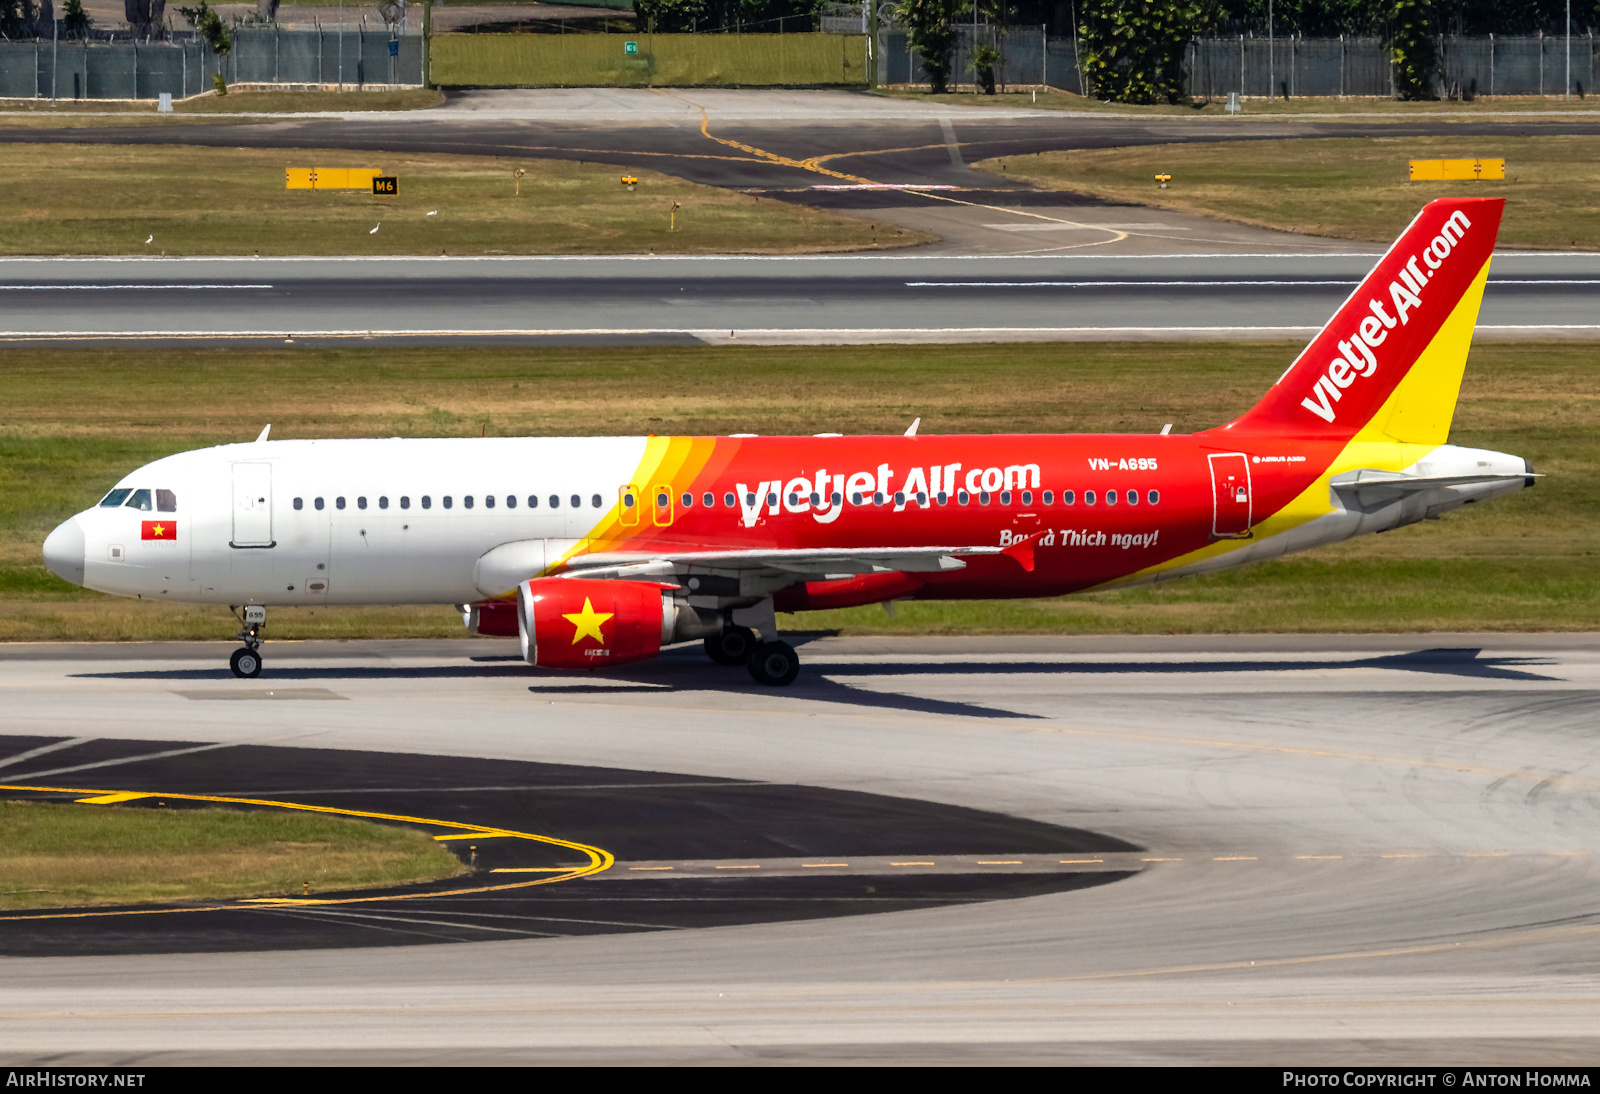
<point>115,498</point>
<point>140,500</point>
<point>167,501</point>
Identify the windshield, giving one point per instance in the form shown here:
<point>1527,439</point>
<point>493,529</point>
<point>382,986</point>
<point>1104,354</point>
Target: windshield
<point>140,500</point>
<point>115,498</point>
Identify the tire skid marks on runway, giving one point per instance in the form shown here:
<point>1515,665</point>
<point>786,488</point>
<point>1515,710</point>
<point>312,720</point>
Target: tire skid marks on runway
<point>599,859</point>
<point>815,164</point>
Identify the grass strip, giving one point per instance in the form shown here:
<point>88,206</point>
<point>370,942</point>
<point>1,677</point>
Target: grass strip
<point>77,420</point>
<point>60,855</point>
<point>1344,187</point>
<point>72,200</point>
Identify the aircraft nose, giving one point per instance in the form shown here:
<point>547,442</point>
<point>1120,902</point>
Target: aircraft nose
<point>63,551</point>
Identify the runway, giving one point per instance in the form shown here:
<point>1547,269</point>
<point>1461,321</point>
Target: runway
<point>687,300</point>
<point>1355,850</point>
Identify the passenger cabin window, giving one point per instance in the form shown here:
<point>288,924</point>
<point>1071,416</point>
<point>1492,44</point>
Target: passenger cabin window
<point>140,500</point>
<point>594,501</point>
<point>1154,497</point>
<point>338,503</point>
<point>1049,497</point>
<point>709,500</point>
<point>318,504</point>
<point>1133,497</point>
<point>299,503</point>
<point>688,501</point>
<point>427,502</point>
<point>448,501</point>
<point>555,501</point>
<point>1005,497</point>
<point>405,502</point>
<point>361,502</point>
<point>167,501</point>
<point>466,502</point>
<point>115,498</point>
<point>1027,497</point>
<point>488,501</point>
<point>1068,498</point>
<point>533,501</point>
<point>728,500</point>
<point>963,497</point>
<point>383,501</point>
<point>576,501</point>
<point>511,501</point>
<point>1088,497</point>
<point>1111,497</point>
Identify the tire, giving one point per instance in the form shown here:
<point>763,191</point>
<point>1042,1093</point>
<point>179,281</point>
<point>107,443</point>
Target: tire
<point>774,664</point>
<point>245,663</point>
<point>732,647</point>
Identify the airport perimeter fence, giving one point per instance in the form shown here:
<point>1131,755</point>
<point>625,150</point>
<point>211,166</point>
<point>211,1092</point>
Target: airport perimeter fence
<point>353,57</point>
<point>327,57</point>
<point>1526,65</point>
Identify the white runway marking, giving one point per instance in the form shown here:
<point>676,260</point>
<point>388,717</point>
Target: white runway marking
<point>132,286</point>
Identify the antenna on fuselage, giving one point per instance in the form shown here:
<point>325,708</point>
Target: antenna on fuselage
<point>912,432</point>
<point>264,432</point>
<point>1166,429</point>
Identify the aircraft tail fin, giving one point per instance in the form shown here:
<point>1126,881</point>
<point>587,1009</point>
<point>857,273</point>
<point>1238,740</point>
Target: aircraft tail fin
<point>1390,360</point>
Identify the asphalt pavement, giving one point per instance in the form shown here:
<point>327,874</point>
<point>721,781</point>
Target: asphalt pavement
<point>685,300</point>
<point>1352,850</point>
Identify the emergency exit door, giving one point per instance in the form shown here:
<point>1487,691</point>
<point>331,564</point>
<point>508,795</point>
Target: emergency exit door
<point>252,505</point>
<point>1230,493</point>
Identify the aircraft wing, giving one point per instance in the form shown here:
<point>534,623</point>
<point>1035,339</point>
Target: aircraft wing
<point>789,566</point>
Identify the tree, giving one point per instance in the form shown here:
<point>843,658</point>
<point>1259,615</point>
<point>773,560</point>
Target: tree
<point>208,23</point>
<point>985,58</point>
<point>1133,49</point>
<point>18,19</point>
<point>1412,48</point>
<point>930,25</point>
<point>75,22</point>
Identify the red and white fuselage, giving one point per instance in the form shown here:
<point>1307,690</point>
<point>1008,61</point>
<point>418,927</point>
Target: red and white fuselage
<point>723,530</point>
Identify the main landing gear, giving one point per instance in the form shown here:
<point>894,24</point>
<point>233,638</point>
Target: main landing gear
<point>774,664</point>
<point>246,662</point>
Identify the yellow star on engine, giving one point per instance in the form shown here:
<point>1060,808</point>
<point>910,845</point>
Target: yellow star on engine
<point>588,623</point>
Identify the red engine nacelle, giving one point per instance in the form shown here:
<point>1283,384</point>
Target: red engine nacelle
<point>581,623</point>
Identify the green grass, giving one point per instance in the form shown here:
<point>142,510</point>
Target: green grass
<point>40,111</point>
<point>76,420</point>
<point>71,199</point>
<point>60,855</point>
<point>1346,187</point>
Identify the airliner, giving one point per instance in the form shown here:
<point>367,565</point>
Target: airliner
<point>601,551</point>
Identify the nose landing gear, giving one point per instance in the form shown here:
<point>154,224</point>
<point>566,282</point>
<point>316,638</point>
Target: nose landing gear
<point>246,662</point>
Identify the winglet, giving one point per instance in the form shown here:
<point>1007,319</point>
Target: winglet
<point>264,432</point>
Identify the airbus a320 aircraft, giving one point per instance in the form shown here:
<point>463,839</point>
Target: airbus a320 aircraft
<point>601,551</point>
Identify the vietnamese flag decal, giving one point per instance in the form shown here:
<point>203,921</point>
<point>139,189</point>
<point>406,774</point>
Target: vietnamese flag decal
<point>158,529</point>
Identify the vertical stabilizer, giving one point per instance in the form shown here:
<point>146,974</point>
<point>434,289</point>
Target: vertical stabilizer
<point>1389,363</point>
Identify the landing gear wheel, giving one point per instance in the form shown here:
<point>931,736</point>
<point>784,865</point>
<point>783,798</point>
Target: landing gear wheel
<point>245,663</point>
<point>732,647</point>
<point>774,664</point>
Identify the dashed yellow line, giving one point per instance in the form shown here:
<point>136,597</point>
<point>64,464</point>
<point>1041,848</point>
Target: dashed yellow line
<point>756,867</point>
<point>913,864</point>
<point>815,865</point>
<point>599,859</point>
<point>1077,861</point>
<point>1235,858</point>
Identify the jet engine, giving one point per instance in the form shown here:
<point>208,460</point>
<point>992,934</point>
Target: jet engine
<point>573,623</point>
